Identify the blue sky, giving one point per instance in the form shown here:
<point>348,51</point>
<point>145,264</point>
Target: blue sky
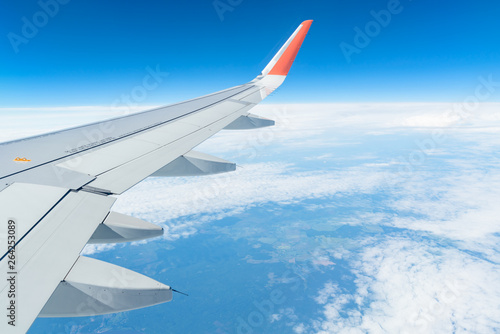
<point>91,52</point>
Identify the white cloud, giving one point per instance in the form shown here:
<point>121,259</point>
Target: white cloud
<point>97,248</point>
<point>408,286</point>
<point>461,207</point>
<point>218,196</point>
<point>432,120</point>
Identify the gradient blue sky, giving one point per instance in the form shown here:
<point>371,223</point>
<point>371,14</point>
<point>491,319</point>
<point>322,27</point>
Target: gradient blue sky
<point>91,51</point>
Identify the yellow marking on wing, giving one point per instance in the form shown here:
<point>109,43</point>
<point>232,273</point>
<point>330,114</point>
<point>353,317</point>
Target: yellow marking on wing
<point>21,160</point>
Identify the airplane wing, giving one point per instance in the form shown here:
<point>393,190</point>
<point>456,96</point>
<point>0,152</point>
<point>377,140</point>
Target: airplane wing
<point>57,190</point>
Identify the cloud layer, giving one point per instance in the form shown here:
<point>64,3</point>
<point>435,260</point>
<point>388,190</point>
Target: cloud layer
<point>433,268</point>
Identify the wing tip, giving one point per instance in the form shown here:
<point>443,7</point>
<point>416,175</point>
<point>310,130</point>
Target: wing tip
<point>286,59</point>
<point>307,23</point>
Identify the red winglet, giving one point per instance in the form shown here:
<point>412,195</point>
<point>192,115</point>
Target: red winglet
<point>288,57</point>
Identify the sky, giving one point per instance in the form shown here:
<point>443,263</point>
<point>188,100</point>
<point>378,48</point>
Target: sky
<point>92,53</point>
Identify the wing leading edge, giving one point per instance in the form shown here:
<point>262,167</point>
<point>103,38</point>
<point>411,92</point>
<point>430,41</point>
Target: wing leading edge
<point>56,196</point>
